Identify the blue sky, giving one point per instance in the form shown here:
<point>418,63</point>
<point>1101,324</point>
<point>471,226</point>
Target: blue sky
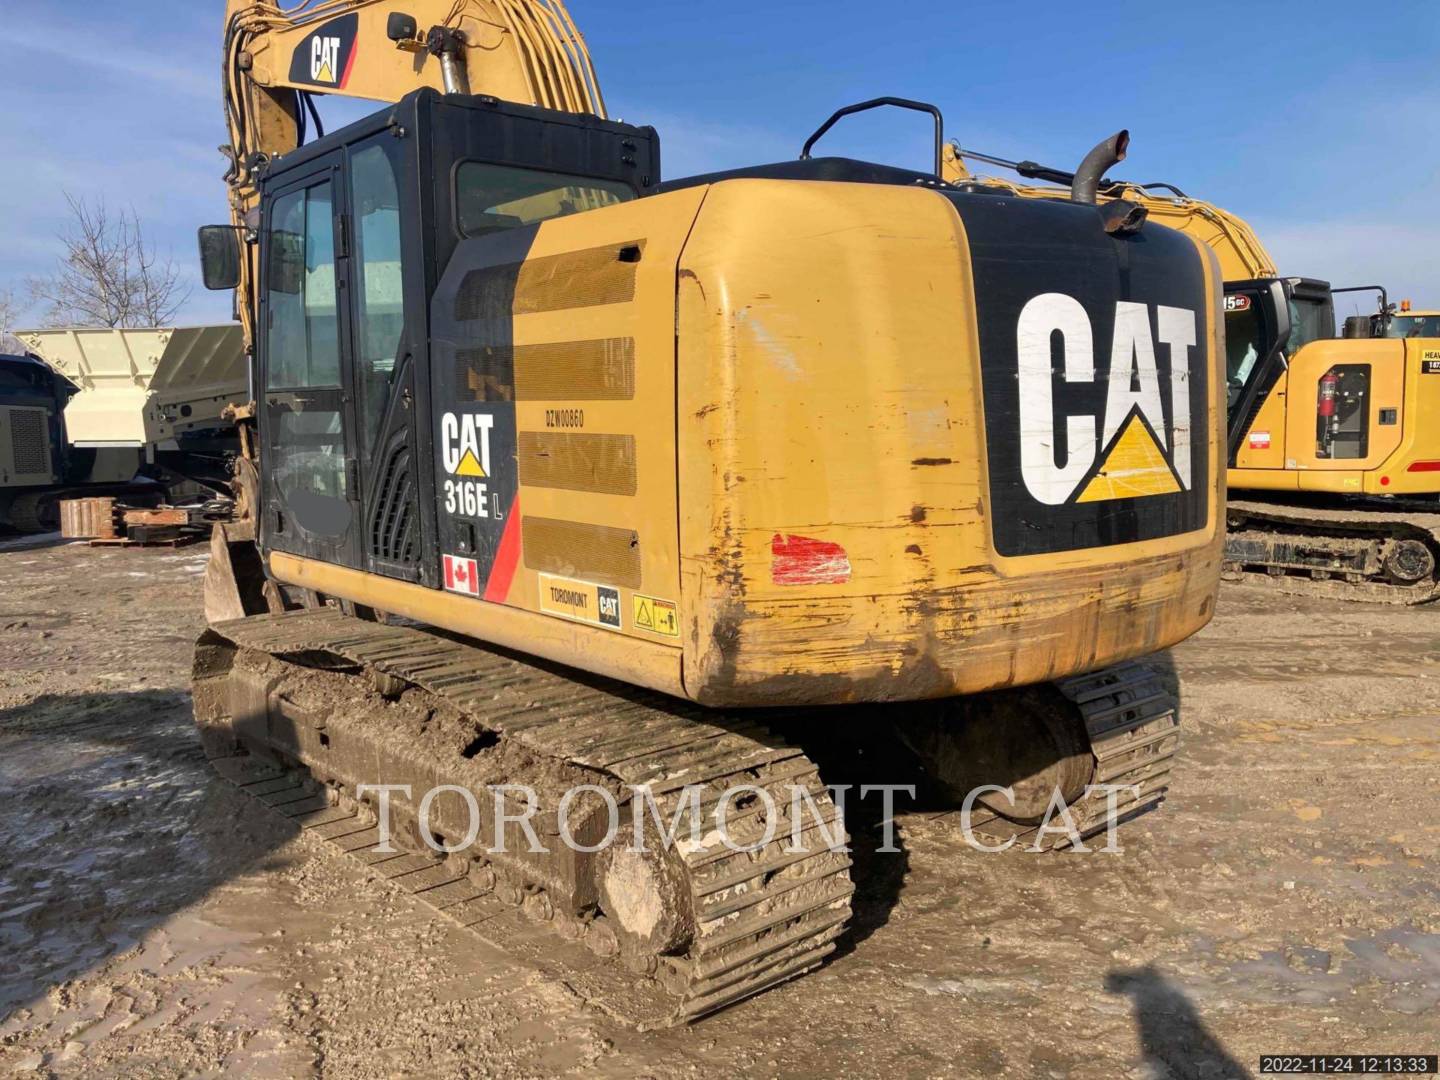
<point>1320,123</point>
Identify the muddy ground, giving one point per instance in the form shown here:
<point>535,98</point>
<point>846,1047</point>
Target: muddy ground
<point>155,923</point>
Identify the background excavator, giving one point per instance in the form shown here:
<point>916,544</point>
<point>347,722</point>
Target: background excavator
<point>568,476</point>
<point>1402,321</point>
<point>130,414</point>
<point>1334,447</point>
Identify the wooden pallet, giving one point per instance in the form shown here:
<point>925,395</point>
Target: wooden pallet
<point>86,518</point>
<point>107,523</point>
<point>181,541</point>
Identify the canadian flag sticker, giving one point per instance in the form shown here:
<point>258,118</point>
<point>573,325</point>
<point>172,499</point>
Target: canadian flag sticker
<point>462,575</point>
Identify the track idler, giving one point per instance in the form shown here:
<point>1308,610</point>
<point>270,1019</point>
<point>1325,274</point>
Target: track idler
<point>1409,562</point>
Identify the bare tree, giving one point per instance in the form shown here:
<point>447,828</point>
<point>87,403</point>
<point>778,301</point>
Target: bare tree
<point>9,313</point>
<point>109,275</point>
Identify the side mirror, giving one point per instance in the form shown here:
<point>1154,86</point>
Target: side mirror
<point>401,28</point>
<point>220,256</point>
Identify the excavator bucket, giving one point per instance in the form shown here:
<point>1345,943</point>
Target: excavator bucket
<point>234,578</point>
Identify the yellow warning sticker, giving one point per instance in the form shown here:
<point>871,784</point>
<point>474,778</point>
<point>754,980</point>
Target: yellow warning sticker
<point>657,616</point>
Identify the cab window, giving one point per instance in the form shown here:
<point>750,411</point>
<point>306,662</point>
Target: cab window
<point>379,291</point>
<point>1310,320</point>
<point>1244,331</point>
<point>1413,326</point>
<point>303,337</point>
<point>305,425</point>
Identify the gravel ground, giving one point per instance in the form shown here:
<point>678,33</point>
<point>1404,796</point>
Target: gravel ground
<point>155,923</point>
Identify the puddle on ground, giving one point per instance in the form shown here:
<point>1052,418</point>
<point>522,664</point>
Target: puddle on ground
<point>1401,965</point>
<point>114,823</point>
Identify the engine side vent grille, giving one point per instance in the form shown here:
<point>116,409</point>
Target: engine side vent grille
<point>598,370</point>
<point>28,448</point>
<point>601,463</point>
<point>394,537</point>
<point>594,277</point>
<point>574,549</point>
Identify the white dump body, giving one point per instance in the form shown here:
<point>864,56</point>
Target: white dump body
<point>143,388</point>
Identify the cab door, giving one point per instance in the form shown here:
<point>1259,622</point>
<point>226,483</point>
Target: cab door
<point>1257,326</point>
<point>386,291</point>
<point>310,494</point>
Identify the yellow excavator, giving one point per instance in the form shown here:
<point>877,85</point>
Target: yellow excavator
<point>1334,442</point>
<point>1402,321</point>
<point>574,479</point>
<point>1241,255</point>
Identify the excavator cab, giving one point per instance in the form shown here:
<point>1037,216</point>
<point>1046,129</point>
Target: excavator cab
<point>355,232</point>
<point>1267,322</point>
<point>1310,411</point>
<point>1406,324</point>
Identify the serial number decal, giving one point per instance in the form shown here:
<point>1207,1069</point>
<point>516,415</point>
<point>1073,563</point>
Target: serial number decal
<point>582,601</point>
<point>1351,1064</point>
<point>564,418</point>
<point>1431,364</point>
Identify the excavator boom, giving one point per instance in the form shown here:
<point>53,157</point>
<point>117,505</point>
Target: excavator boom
<point>1242,256</point>
<point>526,51</point>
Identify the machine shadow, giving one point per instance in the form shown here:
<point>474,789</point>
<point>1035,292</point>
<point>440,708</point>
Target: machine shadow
<point>18,543</point>
<point>1163,665</point>
<point>1173,1036</point>
<point>113,822</point>
<point>844,745</point>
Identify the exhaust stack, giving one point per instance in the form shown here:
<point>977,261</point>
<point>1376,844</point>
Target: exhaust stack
<point>1097,163</point>
<point>449,46</point>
